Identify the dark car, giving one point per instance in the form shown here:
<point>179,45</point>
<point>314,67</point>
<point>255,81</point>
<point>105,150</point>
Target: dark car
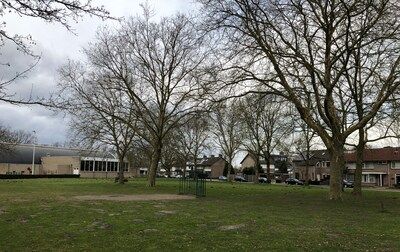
<point>293,181</point>
<point>240,179</point>
<point>348,183</point>
<point>263,180</point>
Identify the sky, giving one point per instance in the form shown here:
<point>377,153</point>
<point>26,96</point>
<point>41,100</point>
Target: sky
<point>56,45</point>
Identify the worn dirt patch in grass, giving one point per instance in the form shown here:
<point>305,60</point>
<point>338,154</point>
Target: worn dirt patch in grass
<point>137,197</point>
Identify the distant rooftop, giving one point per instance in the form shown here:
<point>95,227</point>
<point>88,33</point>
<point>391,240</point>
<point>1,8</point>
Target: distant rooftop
<point>23,153</point>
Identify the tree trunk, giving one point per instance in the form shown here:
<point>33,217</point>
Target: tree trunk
<point>336,171</point>
<point>257,166</point>
<point>228,175</point>
<point>121,170</point>
<point>359,163</point>
<point>267,159</point>
<point>307,176</point>
<point>155,159</point>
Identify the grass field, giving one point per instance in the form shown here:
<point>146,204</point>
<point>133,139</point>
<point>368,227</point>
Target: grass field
<point>43,215</point>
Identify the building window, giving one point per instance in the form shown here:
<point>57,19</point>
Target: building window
<point>82,165</point>
<point>328,163</point>
<point>367,178</point>
<point>96,165</point>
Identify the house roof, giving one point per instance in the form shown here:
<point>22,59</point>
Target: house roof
<point>263,161</point>
<point>378,154</point>
<point>23,153</point>
<point>315,157</point>
<point>209,161</point>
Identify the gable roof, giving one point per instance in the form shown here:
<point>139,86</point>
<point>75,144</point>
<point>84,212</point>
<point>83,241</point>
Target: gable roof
<point>23,153</point>
<point>315,157</point>
<point>209,161</point>
<point>377,154</point>
<point>273,158</point>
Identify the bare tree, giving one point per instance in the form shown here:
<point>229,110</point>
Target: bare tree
<point>172,154</point>
<point>226,130</point>
<point>266,123</point>
<point>193,137</point>
<point>10,138</point>
<point>298,49</point>
<point>154,65</point>
<point>304,141</point>
<point>93,111</point>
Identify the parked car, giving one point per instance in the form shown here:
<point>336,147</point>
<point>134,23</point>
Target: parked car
<point>293,181</point>
<point>240,179</point>
<point>348,183</point>
<point>222,178</point>
<point>263,180</point>
<point>178,176</point>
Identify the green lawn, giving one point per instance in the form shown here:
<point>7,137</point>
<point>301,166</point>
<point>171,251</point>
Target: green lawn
<point>43,215</point>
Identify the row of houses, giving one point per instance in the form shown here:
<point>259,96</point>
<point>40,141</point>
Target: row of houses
<point>381,166</point>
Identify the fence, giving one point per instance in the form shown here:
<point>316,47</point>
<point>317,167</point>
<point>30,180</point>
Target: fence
<point>194,184</point>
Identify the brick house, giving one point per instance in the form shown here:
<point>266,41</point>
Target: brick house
<point>212,165</point>
<point>318,165</point>
<point>249,161</point>
<point>381,166</point>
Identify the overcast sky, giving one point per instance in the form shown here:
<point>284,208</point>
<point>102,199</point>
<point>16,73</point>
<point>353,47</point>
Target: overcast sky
<point>56,45</point>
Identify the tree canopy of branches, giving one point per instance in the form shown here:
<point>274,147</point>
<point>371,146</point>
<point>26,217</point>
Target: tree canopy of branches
<point>303,50</point>
<point>226,130</point>
<point>266,123</point>
<point>193,137</point>
<point>154,66</point>
<point>93,109</point>
<point>52,11</point>
<point>9,138</point>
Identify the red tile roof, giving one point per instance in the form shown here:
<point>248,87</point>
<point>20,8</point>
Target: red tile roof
<point>381,154</point>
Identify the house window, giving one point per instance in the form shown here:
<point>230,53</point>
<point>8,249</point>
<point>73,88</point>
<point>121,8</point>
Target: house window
<point>328,163</point>
<point>382,162</point>
<point>367,178</point>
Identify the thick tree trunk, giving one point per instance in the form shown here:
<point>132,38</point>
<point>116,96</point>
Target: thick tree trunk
<point>307,175</point>
<point>336,171</point>
<point>359,163</point>
<point>155,159</point>
<point>121,170</point>
<point>228,175</point>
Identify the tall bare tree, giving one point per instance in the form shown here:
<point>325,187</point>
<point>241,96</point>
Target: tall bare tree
<point>194,136</point>
<point>154,65</point>
<point>226,130</point>
<point>93,111</point>
<point>298,49</point>
<point>266,123</point>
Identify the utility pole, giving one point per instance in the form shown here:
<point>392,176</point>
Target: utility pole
<point>33,154</point>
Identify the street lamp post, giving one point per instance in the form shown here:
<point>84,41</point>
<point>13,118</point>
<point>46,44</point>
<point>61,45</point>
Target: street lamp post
<point>33,154</point>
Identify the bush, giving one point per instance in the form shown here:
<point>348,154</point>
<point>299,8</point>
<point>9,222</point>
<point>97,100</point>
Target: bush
<point>26,176</point>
